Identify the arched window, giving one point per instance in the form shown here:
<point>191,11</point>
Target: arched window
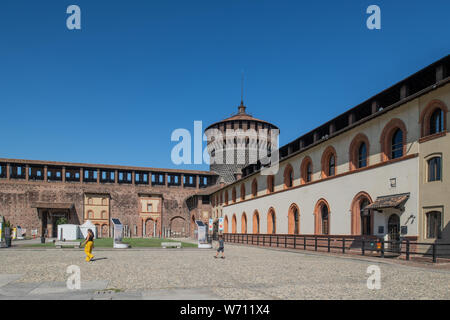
<point>254,188</point>
<point>434,225</point>
<point>362,155</point>
<point>243,191</point>
<point>256,222</point>
<point>329,162</point>
<point>433,118</point>
<point>233,194</point>
<point>397,144</point>
<point>434,169</point>
<point>244,223</point>
<point>288,177</point>
<point>90,214</point>
<point>361,219</point>
<point>271,222</point>
<point>306,169</point>
<point>437,121</point>
<point>322,217</point>
<point>270,183</point>
<point>293,220</point>
<point>359,152</point>
<point>393,140</point>
<point>104,215</point>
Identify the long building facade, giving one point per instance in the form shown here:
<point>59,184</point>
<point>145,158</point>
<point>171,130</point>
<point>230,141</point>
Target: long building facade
<point>381,170</point>
<point>149,202</point>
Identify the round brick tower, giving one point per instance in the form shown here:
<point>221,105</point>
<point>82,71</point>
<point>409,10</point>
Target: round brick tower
<point>236,142</point>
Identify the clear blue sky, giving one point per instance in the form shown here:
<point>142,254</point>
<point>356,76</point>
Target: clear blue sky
<point>114,91</point>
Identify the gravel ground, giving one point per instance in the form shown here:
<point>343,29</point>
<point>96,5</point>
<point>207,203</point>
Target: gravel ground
<point>246,273</point>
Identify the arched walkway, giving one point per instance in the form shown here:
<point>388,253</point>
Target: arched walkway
<point>271,221</point>
<point>358,215</point>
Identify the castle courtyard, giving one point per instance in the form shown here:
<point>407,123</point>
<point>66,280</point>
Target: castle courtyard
<point>191,273</point>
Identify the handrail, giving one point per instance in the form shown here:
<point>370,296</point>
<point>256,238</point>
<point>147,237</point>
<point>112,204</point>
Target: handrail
<point>342,243</point>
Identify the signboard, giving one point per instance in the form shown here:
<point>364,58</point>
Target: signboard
<point>221,224</point>
<point>211,224</point>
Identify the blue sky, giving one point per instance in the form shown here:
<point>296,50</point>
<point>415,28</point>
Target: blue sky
<point>114,91</point>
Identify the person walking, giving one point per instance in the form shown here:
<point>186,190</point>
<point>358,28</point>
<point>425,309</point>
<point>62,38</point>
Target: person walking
<point>89,245</point>
<point>221,247</point>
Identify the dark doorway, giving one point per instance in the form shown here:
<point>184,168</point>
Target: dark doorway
<point>394,232</point>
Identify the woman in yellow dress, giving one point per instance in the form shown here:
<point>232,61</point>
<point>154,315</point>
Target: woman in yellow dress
<point>89,245</point>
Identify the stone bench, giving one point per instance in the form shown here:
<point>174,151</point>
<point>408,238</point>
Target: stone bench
<point>60,244</point>
<point>171,244</point>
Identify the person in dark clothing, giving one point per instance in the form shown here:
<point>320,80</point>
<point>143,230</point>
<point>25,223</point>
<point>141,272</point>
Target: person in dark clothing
<point>221,247</point>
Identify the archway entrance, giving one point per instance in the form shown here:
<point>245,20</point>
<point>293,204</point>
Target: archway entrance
<point>394,232</point>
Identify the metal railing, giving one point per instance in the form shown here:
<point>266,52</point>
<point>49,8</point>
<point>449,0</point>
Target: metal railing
<point>345,244</point>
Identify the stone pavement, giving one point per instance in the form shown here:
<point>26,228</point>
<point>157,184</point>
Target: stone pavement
<point>194,274</point>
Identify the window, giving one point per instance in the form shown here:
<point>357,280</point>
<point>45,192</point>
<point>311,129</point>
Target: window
<point>149,207</point>
<point>256,222</point>
<point>288,176</point>
<point>309,172</point>
<point>362,155</point>
<point>254,188</point>
<point>233,195</point>
<point>243,192</point>
<point>325,222</point>
<point>329,162</point>
<point>306,170</point>
<point>434,169</point>
<point>270,184</point>
<point>433,118</point>
<point>397,144</point>
<point>433,225</point>
<point>271,222</point>
<point>437,121</point>
<point>331,166</point>
<point>226,197</point>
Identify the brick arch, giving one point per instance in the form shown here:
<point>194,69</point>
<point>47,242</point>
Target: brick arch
<point>354,148</point>
<point>355,212</point>
<point>256,222</point>
<point>291,219</point>
<point>271,226</point>
<point>318,216</point>
<point>244,223</point>
<point>254,188</point>
<point>288,172</point>
<point>426,113</point>
<point>303,169</point>
<point>243,191</point>
<point>233,224</point>
<point>325,161</point>
<point>386,137</point>
<point>270,183</point>
<point>225,224</point>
